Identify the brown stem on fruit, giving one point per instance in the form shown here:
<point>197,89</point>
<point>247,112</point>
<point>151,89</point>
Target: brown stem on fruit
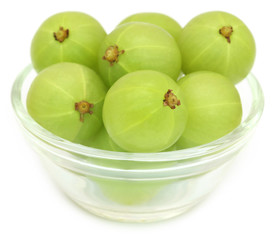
<point>170,100</point>
<point>226,32</point>
<point>112,54</point>
<point>61,34</point>
<point>83,107</point>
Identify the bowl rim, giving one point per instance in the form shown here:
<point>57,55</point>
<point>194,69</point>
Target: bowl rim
<point>229,141</point>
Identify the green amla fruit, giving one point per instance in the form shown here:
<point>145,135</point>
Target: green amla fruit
<point>126,192</point>
<point>144,111</point>
<point>214,108</point>
<point>159,19</point>
<point>218,42</point>
<point>102,141</point>
<point>67,37</point>
<point>138,46</point>
<point>67,99</point>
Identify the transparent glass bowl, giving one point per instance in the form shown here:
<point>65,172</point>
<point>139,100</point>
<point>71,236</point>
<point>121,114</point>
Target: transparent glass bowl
<point>137,187</point>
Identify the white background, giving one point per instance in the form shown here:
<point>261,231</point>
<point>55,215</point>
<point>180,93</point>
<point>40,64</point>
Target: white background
<point>31,207</point>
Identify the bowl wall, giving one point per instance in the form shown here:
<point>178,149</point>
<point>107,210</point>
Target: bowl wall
<point>136,187</point>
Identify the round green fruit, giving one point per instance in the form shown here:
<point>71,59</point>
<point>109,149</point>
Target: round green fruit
<point>171,148</point>
<point>67,37</point>
<point>218,42</point>
<point>138,46</point>
<point>214,108</point>
<point>103,141</point>
<point>159,19</point>
<point>144,111</point>
<point>130,192</point>
<point>66,99</point>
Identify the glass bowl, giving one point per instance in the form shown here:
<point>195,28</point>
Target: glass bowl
<point>137,187</point>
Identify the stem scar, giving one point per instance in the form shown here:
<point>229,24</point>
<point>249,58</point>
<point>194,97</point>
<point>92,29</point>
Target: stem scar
<point>83,107</point>
<point>112,54</point>
<point>61,34</point>
<point>226,32</point>
<point>171,100</point>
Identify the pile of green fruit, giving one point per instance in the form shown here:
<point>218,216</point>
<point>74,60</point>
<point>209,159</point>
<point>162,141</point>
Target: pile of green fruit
<point>148,86</point>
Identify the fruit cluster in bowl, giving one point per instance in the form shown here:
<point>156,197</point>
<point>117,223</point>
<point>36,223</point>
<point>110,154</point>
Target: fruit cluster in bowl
<point>148,86</point>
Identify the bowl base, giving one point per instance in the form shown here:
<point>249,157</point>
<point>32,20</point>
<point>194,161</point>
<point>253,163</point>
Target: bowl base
<point>137,217</point>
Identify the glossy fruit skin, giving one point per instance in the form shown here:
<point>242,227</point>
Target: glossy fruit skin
<point>145,46</point>
<point>102,141</point>
<point>81,46</point>
<point>203,47</point>
<point>134,114</point>
<point>214,108</point>
<point>159,19</point>
<point>52,96</point>
<point>171,148</point>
